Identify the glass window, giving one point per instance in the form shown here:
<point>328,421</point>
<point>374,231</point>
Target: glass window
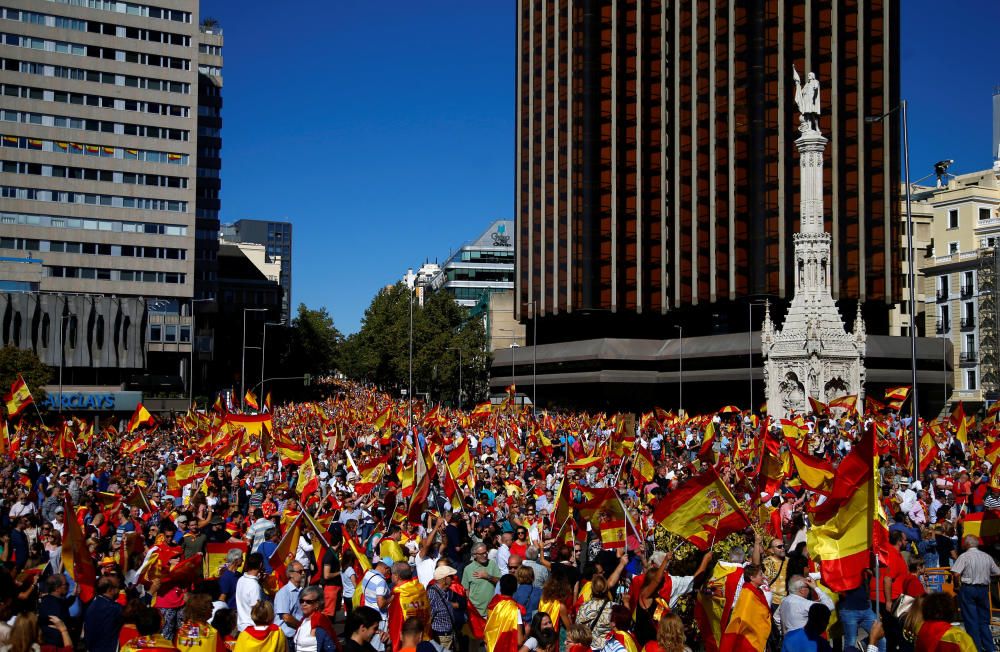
<point>155,333</point>
<point>171,334</point>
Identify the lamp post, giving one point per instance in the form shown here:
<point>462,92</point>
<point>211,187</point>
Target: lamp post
<point>410,282</point>
<point>263,350</point>
<point>534,358</point>
<point>455,348</point>
<point>62,353</point>
<point>680,367</point>
<point>513,383</point>
<point>243,365</point>
<point>191,364</point>
<point>911,277</point>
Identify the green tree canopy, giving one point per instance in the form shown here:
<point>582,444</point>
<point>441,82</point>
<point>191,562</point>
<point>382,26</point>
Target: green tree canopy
<point>14,361</point>
<point>313,343</point>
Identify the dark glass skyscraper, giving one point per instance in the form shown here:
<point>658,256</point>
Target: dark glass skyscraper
<point>656,175</point>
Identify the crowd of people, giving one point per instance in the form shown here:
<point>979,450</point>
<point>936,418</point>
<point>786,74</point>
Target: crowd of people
<point>367,524</point>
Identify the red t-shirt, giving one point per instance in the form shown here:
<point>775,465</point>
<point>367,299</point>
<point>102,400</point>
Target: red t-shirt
<point>962,491</point>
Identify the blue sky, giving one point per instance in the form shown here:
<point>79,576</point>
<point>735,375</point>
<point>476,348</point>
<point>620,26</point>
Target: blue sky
<point>384,131</point>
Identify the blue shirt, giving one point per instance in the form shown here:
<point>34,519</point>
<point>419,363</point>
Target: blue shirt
<point>798,641</point>
<point>101,625</point>
<point>267,549</point>
<point>227,586</point>
<point>286,601</point>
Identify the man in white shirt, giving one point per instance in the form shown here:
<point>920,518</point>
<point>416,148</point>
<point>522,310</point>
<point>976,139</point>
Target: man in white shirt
<point>257,532</point>
<point>503,552</point>
<point>377,594</point>
<point>794,610</point>
<point>248,591</point>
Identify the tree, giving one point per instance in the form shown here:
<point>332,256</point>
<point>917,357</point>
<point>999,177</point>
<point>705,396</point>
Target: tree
<point>313,343</point>
<point>36,374</point>
<point>380,351</point>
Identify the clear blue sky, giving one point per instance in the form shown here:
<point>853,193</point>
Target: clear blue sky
<point>384,131</point>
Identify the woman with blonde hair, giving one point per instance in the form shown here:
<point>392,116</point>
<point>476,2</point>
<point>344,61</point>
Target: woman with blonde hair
<point>669,636</point>
<point>263,635</point>
<point>195,633</point>
<point>25,635</point>
<point>595,613</point>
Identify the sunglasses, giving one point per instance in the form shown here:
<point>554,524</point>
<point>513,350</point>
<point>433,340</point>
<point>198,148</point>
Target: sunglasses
<point>304,601</point>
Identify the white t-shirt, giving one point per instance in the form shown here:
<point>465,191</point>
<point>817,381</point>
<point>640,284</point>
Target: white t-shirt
<point>305,638</point>
<point>425,569</point>
<point>248,593</point>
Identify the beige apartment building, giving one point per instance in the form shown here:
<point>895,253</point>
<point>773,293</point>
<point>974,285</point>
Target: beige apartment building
<point>956,238</point>
<point>110,159</point>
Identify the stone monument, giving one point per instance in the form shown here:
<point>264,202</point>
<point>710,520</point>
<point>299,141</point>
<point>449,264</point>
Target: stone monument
<point>812,354</point>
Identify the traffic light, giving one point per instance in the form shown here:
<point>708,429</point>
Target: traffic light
<point>306,379</point>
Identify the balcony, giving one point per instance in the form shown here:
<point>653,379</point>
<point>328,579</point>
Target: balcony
<point>942,295</point>
<point>971,395</point>
<point>943,326</point>
<point>967,291</point>
<point>968,323</point>
<point>967,358</point>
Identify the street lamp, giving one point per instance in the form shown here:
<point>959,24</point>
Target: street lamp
<point>911,276</point>
<point>410,283</point>
<point>62,353</point>
<point>194,334</point>
<point>455,348</point>
<point>680,390</point>
<point>513,383</point>
<point>243,365</point>
<point>263,349</point>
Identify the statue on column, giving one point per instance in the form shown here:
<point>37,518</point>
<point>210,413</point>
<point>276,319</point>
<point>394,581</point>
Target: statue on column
<point>807,99</point>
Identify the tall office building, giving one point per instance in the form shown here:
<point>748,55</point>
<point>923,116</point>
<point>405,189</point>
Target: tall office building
<point>656,176</point>
<point>277,240</point>
<point>111,155</point>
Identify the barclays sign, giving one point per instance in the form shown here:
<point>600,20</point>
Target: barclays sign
<point>93,401</point>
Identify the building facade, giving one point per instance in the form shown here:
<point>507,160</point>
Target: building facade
<point>655,169</point>
<point>277,240</point>
<point>104,172</point>
<point>481,266</point>
<point>960,280</point>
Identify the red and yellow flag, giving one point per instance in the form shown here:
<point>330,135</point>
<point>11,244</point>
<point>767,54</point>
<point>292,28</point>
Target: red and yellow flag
<point>284,554</point>
<point>409,600</point>
<point>928,450</point>
<point>251,399</point>
<point>815,473</point>
<point>584,463</point>
<point>18,398</point>
<point>308,482</point>
<point>141,417</point>
<point>501,633</point>
<point>942,636</point>
<point>750,623</point>
<point>841,536</point>
<point>701,510</point>
<point>896,396</point>
<point>76,557</point>
<point>848,403</point>
<point>643,468</point>
<point>960,424</point>
<point>985,525</point>
<point>712,605</point>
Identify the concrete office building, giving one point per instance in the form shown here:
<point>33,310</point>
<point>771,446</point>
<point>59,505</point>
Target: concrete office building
<point>277,240</point>
<point>110,152</point>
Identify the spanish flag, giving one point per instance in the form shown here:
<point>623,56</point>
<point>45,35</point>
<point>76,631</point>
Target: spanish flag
<point>960,424</point>
<point>928,450</point>
<point>701,510</point>
<point>141,417</point>
<point>815,473</point>
<point>896,396</point>
<point>985,525</point>
<point>713,605</point>
<point>750,624</point>
<point>76,557</point>
<point>18,398</point>
<point>251,399</point>
<point>501,633</point>
<point>284,554</point>
<point>848,403</point>
<point>371,473</point>
<point>267,401</point>
<point>841,536</point>
<point>409,600</point>
<point>705,453</point>
<point>308,482</point>
<point>4,438</point>
<point>460,461</point>
<point>942,636</point>
<point>643,468</point>
<point>584,463</point>
<point>818,407</point>
<point>482,410</point>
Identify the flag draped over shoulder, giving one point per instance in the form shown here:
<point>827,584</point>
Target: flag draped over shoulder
<point>712,604</point>
<point>943,637</point>
<point>750,623</point>
<point>501,634</point>
<point>841,536</point>
<point>701,510</point>
<point>18,398</point>
<point>75,554</point>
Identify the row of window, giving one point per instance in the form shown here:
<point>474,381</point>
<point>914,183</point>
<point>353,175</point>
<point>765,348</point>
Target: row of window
<point>103,126</point>
<point>90,174</point>
<point>102,274</point>
<point>214,71</point>
<point>984,214</point>
<point>103,151</point>
<point>131,9</point>
<point>95,199</point>
<point>95,51</point>
<point>169,333</point>
<point>92,248</point>
<point>214,50</point>
<point>83,74</point>
<point>87,99</point>
<point>88,224</point>
<point>95,27</point>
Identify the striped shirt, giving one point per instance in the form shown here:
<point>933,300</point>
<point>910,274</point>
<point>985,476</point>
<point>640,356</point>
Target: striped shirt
<point>992,502</point>
<point>975,567</point>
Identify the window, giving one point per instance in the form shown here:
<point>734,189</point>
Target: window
<point>155,333</point>
<point>171,334</point>
<point>970,343</point>
<point>970,379</point>
<point>953,218</point>
<point>952,248</point>
<point>985,214</point>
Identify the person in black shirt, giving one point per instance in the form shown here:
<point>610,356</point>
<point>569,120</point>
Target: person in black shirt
<point>333,584</point>
<point>362,626</point>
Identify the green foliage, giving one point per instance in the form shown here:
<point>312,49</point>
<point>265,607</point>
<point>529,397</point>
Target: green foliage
<point>380,351</point>
<point>14,361</point>
<point>314,343</point>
